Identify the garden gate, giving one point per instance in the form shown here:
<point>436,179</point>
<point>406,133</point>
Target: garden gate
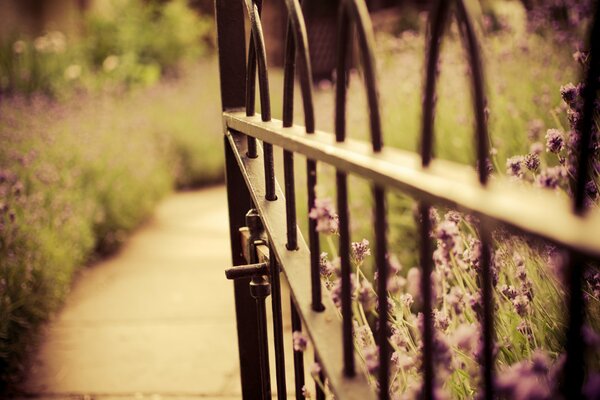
<point>263,245</point>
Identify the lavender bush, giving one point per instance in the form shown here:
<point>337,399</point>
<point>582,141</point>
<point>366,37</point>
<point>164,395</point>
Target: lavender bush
<point>77,176</point>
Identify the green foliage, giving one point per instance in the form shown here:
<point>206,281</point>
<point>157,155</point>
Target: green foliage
<point>126,43</point>
<point>134,42</point>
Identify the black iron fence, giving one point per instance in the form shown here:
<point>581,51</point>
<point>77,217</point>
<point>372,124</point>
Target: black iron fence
<point>263,245</point>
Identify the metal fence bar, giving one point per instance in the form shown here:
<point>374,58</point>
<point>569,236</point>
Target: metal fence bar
<point>288,120</point>
<point>425,259</point>
<point>342,194</point>
<point>251,89</point>
<point>277,328</point>
<point>575,362</point>
<point>359,16</point>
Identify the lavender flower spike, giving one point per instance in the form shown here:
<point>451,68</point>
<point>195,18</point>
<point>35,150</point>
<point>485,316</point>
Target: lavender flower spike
<point>555,141</point>
<point>324,214</point>
<point>300,341</point>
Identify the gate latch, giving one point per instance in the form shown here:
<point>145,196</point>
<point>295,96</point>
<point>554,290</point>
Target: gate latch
<point>258,267</point>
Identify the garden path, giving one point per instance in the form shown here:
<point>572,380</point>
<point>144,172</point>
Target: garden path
<point>156,321</point>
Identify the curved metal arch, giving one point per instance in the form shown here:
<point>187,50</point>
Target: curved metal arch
<point>439,18</point>
<point>357,9</point>
<point>257,54</point>
<point>297,43</point>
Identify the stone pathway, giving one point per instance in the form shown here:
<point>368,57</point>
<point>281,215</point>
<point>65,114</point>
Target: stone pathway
<point>154,322</point>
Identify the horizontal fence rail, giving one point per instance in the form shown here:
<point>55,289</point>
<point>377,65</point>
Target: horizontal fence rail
<point>522,208</point>
<point>265,239</point>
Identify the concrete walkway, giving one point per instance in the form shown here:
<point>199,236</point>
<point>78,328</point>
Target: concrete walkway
<point>156,321</point>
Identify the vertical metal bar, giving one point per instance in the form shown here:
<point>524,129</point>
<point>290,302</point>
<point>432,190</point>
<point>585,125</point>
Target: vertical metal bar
<point>590,92</point>
<point>277,327</point>
<point>259,289</point>
<point>438,19</point>
<point>232,71</point>
<point>342,194</point>
<point>475,63</point>
<point>288,156</point>
<point>251,95</point>
<point>382,293</point>
<point>341,73</point>
<point>313,236</point>
<point>575,363</point>
<point>344,229</point>
<point>238,199</point>
<point>426,268</point>
<point>231,46</point>
<point>488,314</point>
<point>298,355</point>
<point>366,43</point>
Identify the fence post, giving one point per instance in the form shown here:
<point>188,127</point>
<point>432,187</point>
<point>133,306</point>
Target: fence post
<point>232,71</point>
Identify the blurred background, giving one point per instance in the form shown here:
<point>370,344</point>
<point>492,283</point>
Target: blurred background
<point>107,106</point>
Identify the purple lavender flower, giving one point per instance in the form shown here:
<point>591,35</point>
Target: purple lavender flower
<point>448,235</point>
<point>407,300</point>
<point>514,166</point>
<point>555,141</point>
<point>336,290</point>
<point>472,253</point>
<point>398,338</point>
<point>300,341</point>
<point>591,189</point>
<point>441,320</point>
<point>466,337</point>
<point>476,303</point>
<point>403,361</point>
<point>551,178</point>
<point>569,94</point>
<point>521,304</point>
<point>532,162</point>
<point>455,299</point>
<point>509,291</point>
<point>315,369</point>
<point>365,296</point>
<point>324,214</point>
<point>360,250</point>
<point>326,267</point>
<point>540,363</point>
<point>453,216</point>
<point>371,355</point>
<point>306,392</point>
